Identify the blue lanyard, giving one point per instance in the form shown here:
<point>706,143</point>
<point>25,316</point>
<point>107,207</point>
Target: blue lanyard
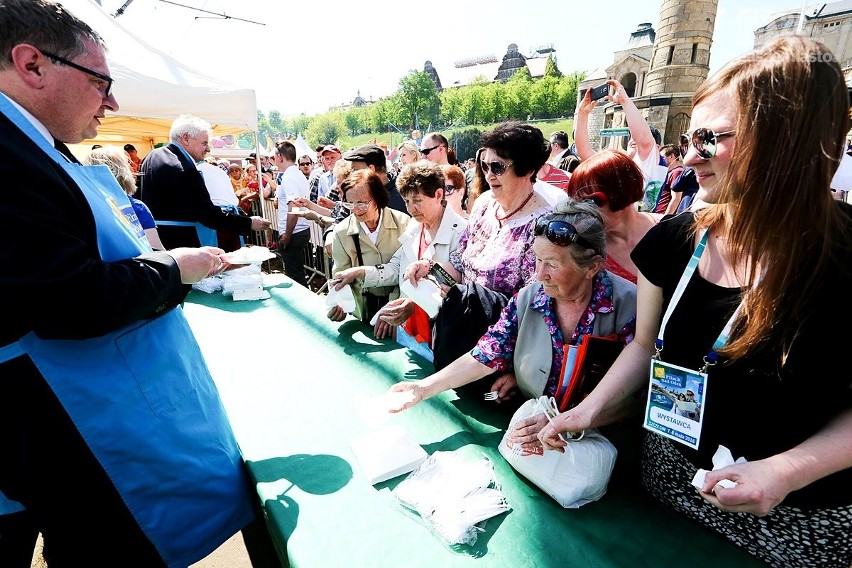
<point>712,356</point>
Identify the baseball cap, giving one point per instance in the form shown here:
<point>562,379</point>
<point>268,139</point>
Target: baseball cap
<point>371,154</point>
<point>330,148</point>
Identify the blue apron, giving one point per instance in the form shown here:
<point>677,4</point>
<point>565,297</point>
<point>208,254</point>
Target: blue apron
<point>143,399</point>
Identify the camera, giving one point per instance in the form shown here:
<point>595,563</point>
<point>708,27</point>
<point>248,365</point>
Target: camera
<point>600,91</point>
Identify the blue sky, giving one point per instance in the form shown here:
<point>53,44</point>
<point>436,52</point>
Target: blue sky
<point>310,56</point>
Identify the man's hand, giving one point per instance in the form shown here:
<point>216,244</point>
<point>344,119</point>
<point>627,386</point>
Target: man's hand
<point>284,239</point>
<point>196,264</point>
<point>260,224</point>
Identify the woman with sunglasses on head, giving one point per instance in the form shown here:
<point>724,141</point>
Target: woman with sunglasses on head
<point>369,236</point>
<point>573,296</point>
<point>432,234</point>
<point>495,257</point>
<point>615,183</point>
<point>766,255</point>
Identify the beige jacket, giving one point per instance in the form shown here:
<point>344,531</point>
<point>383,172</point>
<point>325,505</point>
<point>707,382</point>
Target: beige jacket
<point>343,252</point>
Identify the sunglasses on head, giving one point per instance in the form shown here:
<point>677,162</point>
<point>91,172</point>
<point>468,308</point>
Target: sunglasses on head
<point>449,189</point>
<point>425,151</point>
<point>704,140</point>
<point>559,232</point>
<point>499,168</point>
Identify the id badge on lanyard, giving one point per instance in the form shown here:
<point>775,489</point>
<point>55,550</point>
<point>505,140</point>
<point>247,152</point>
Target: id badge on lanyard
<point>676,394</point>
<point>675,402</point>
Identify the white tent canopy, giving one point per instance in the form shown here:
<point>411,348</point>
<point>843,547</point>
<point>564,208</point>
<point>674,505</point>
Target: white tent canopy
<point>152,88</point>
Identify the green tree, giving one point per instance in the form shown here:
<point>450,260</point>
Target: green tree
<point>545,99</point>
<point>325,129</point>
<point>418,96</point>
<point>465,142</point>
<point>518,94</point>
<point>301,123</point>
<point>353,123</point>
<point>276,124</point>
<point>550,68</point>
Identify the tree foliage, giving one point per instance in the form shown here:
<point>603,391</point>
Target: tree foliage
<point>417,103</point>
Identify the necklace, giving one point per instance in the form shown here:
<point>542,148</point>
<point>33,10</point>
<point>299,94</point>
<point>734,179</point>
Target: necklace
<point>515,210</point>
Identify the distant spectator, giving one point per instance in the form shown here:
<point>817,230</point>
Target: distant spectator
<point>119,164</point>
<point>135,160</point>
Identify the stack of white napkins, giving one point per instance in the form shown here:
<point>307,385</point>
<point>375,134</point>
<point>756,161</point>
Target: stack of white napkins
<point>244,283</point>
<point>387,453</point>
<point>453,495</point>
<point>250,255</point>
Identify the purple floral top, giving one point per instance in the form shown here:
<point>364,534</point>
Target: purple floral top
<point>496,349</point>
<point>499,258</point>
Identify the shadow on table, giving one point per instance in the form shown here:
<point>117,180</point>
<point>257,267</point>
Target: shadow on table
<point>316,474</point>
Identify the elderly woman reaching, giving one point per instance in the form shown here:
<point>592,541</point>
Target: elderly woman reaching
<point>432,235</point>
<point>573,296</point>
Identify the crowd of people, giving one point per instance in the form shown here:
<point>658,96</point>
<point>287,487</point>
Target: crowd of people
<point>712,253</point>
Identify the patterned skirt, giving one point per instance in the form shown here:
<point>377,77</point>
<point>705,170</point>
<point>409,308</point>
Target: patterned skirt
<point>786,537</point>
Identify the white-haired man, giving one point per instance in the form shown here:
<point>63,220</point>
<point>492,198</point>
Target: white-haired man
<point>174,190</point>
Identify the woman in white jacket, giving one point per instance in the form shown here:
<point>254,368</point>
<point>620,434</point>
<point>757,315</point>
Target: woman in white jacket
<point>433,234</point>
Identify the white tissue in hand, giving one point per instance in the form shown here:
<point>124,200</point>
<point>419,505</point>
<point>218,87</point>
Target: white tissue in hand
<point>722,458</point>
<point>427,295</point>
<point>343,298</point>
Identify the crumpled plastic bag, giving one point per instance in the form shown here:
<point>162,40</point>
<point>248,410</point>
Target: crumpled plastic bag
<point>574,478</point>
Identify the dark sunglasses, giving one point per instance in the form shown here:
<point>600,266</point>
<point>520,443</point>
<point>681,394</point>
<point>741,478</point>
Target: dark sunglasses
<point>558,232</point>
<point>425,151</point>
<point>499,168</point>
<point>704,140</point>
<point>107,79</point>
<point>301,164</point>
<point>449,189</point>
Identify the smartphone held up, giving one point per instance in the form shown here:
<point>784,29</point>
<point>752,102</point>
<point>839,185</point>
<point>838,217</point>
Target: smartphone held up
<point>599,92</point>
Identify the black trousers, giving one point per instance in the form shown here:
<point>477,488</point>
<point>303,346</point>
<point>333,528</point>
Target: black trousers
<point>294,256</point>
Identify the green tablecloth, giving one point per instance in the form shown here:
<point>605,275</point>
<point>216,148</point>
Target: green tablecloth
<point>290,380</point>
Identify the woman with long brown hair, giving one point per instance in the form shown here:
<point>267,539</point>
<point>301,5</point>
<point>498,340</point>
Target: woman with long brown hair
<point>738,297</point>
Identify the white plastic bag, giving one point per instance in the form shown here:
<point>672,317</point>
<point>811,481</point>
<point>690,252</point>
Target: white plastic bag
<point>343,298</point>
<point>574,478</point>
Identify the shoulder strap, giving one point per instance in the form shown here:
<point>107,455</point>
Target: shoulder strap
<point>357,239</point>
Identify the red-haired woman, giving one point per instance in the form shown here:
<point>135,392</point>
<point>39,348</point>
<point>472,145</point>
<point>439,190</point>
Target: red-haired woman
<point>615,183</point>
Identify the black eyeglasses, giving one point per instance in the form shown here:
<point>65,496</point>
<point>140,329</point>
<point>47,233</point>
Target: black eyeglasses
<point>704,140</point>
<point>449,189</point>
<point>558,232</point>
<point>499,168</point>
<point>105,78</point>
<point>425,151</point>
<point>305,164</point>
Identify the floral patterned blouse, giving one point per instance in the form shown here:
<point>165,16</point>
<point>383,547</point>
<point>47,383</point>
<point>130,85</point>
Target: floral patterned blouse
<point>498,258</point>
<point>496,349</point>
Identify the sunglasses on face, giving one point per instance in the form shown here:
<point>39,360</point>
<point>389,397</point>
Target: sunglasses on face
<point>704,140</point>
<point>498,168</point>
<point>425,151</point>
<point>449,189</point>
<point>558,232</point>
<point>302,165</point>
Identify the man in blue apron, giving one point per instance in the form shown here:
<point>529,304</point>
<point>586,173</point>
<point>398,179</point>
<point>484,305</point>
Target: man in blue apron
<point>114,442</point>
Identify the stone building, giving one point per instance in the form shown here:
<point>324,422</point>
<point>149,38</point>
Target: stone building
<point>660,70</point>
<point>490,68</point>
<point>830,23</point>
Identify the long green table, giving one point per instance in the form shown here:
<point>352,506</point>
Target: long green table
<point>290,379</point>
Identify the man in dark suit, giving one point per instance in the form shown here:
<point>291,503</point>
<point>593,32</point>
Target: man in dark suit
<point>173,188</point>
<point>98,368</point>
